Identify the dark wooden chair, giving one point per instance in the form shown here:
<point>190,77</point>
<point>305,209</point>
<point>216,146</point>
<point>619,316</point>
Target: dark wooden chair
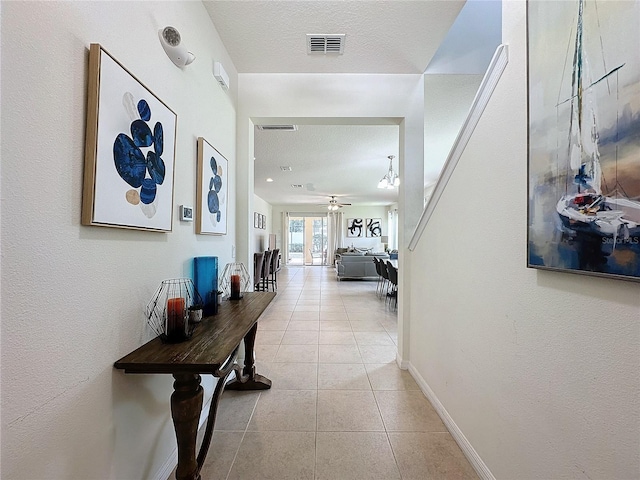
<point>266,269</point>
<point>377,262</point>
<point>258,260</point>
<point>384,287</point>
<point>275,258</point>
<point>392,273</point>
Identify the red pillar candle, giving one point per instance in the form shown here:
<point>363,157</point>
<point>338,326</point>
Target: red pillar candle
<point>175,316</point>
<point>235,287</point>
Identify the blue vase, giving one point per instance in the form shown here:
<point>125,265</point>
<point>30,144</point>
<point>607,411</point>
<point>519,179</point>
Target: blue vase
<point>205,279</point>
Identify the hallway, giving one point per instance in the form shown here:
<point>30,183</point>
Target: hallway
<point>339,408</point>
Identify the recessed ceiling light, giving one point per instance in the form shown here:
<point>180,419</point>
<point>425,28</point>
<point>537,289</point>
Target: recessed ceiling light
<point>269,179</point>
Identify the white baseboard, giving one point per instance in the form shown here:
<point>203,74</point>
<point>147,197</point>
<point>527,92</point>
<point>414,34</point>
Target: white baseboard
<point>403,364</point>
<point>168,466</point>
<point>476,462</point>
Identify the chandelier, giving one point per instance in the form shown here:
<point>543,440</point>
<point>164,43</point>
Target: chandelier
<point>391,179</point>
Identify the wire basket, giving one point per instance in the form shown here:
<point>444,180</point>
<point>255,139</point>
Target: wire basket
<point>168,311</point>
<point>234,280</point>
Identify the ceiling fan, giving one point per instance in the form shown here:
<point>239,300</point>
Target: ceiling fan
<point>334,204</point>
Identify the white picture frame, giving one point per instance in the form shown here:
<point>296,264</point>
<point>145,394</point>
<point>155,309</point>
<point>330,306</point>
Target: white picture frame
<point>212,190</point>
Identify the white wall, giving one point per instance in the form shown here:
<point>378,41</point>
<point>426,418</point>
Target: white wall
<point>538,370</point>
<point>73,296</point>
<point>261,236</point>
<point>447,99</point>
<point>380,212</point>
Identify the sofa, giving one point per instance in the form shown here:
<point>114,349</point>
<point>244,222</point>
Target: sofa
<point>357,265</point>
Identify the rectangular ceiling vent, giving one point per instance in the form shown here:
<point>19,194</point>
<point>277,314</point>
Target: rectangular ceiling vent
<point>325,44</point>
<point>282,128</point>
<point>285,169</point>
<point>294,185</point>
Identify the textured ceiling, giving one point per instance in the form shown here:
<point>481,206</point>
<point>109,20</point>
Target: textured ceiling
<point>326,161</point>
<point>382,37</point>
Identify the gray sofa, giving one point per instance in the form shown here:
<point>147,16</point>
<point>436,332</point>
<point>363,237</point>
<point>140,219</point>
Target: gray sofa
<point>357,265</point>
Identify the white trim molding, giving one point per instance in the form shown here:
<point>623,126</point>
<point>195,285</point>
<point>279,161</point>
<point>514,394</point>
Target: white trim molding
<point>402,364</point>
<point>488,85</point>
<point>476,462</point>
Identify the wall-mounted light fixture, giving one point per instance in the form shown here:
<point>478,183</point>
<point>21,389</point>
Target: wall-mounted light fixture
<point>174,48</point>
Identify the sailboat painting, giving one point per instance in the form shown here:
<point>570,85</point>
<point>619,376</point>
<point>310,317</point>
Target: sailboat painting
<point>584,137</point>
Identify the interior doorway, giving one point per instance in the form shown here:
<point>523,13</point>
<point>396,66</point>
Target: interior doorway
<point>307,242</point>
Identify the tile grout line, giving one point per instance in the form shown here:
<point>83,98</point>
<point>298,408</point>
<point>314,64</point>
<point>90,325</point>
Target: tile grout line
<point>315,452</point>
<point>244,433</point>
<point>386,432</point>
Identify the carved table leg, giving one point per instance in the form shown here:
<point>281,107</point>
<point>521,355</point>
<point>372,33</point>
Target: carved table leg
<point>250,379</point>
<point>186,404</point>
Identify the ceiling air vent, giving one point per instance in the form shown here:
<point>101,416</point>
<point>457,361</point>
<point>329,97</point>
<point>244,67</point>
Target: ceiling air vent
<point>285,169</point>
<point>295,185</point>
<point>324,44</point>
<point>285,128</point>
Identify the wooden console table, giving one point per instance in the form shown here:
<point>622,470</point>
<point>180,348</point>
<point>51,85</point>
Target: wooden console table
<point>212,349</point>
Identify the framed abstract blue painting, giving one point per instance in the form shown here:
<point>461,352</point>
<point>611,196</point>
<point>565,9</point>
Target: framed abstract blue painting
<point>584,137</point>
<point>211,190</point>
<point>129,151</point>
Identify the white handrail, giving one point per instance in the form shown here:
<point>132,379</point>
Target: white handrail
<point>489,82</point>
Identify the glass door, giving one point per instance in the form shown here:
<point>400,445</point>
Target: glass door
<point>295,254</point>
<point>318,243</point>
<point>307,240</point>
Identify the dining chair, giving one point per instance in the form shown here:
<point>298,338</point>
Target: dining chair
<point>376,261</point>
<point>258,260</point>
<point>266,269</point>
<point>275,255</point>
<point>393,280</point>
<point>385,279</point>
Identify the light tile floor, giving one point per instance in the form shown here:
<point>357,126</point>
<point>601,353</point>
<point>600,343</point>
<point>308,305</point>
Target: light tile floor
<point>339,407</point>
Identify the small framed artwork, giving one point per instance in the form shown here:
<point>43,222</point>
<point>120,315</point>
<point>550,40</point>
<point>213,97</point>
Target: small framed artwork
<point>355,227</point>
<point>129,150</point>
<point>260,221</point>
<point>256,220</point>
<point>211,190</point>
<point>264,222</point>
<point>374,227</point>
